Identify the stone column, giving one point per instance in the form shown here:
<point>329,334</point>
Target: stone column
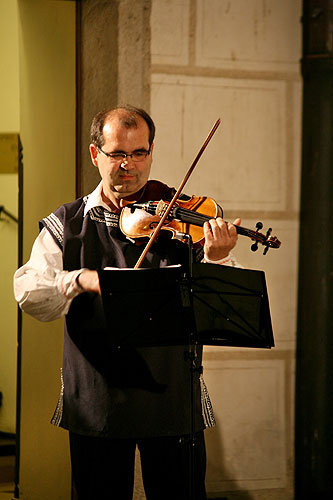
<point>113,67</point>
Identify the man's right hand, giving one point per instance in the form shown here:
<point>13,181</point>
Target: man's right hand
<point>89,281</point>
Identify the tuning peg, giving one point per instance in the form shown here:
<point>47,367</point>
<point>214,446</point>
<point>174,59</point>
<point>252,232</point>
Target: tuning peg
<point>259,226</point>
<point>265,250</point>
<point>268,232</point>
<point>254,247</point>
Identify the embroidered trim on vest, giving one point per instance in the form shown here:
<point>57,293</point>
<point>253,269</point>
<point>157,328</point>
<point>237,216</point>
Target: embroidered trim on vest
<point>99,214</point>
<point>206,405</point>
<point>57,416</point>
<point>55,226</point>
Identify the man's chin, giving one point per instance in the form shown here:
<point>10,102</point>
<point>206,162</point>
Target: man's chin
<point>127,189</point>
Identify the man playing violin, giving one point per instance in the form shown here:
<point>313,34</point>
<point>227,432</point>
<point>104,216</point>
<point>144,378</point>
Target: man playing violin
<point>114,400</point>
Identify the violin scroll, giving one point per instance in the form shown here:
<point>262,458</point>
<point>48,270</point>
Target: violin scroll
<point>267,240</point>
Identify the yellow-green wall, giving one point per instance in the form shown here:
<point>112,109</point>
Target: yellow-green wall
<point>9,123</point>
<point>47,110</point>
<point>9,64</point>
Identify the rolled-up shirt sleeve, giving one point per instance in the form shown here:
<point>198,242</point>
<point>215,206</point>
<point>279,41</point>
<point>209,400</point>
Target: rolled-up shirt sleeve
<point>41,286</point>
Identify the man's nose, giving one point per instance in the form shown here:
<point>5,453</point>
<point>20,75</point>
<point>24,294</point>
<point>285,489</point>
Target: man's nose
<point>124,164</point>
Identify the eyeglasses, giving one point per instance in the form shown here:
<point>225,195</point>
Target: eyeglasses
<point>139,155</point>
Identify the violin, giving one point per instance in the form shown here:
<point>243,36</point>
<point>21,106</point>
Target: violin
<point>186,217</point>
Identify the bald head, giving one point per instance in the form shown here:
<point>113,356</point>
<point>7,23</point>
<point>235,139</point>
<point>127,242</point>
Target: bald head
<point>127,116</point>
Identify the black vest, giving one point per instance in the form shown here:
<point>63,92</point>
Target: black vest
<point>128,392</point>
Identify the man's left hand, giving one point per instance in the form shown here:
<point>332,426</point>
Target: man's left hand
<point>220,238</point>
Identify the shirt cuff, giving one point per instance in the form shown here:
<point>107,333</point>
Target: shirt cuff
<point>222,262</point>
<point>68,285</point>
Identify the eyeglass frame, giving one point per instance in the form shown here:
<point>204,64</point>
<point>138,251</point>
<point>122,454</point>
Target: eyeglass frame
<point>124,155</point>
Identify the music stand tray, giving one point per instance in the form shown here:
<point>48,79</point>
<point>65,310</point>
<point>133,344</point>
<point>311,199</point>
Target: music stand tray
<point>150,307</point>
<point>231,306</point>
<point>143,307</point>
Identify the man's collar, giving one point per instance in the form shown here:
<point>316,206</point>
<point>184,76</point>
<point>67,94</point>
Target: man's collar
<point>95,200</point>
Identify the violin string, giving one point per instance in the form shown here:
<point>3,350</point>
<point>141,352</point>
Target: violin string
<point>198,219</point>
<point>191,217</point>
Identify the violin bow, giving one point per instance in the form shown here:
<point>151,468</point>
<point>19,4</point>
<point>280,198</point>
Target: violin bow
<point>178,192</point>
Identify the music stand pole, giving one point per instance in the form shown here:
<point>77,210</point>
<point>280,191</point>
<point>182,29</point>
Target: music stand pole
<point>191,358</point>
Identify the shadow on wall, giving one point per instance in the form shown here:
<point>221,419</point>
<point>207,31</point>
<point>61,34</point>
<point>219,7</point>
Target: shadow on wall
<point>217,470</point>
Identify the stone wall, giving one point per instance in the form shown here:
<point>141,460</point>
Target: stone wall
<point>239,61</point>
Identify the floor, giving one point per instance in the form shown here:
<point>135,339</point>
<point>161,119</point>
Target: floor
<point>6,491</point>
<point>7,466</point>
<point>7,479</point>
<point>7,488</point>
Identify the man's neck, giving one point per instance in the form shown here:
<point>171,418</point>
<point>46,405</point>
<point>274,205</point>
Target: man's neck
<point>117,203</point>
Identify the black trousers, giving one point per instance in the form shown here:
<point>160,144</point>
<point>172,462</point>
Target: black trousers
<point>173,468</point>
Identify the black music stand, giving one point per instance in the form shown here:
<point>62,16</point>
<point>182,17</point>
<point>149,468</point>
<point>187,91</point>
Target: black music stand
<point>218,305</point>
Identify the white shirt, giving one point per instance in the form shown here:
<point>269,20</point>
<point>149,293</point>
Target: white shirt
<point>43,288</point>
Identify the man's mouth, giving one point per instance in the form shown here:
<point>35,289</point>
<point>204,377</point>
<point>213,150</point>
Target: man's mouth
<point>126,177</point>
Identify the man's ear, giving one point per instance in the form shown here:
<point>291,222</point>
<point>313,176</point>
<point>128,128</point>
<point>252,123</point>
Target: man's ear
<point>93,154</point>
